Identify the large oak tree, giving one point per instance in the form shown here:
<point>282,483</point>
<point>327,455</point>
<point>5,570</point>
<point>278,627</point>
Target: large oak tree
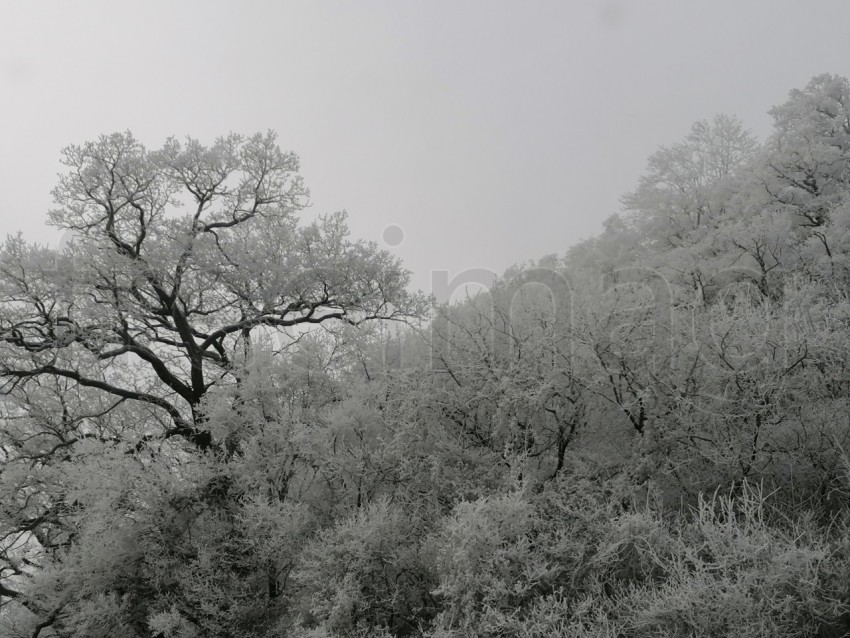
<point>181,256</point>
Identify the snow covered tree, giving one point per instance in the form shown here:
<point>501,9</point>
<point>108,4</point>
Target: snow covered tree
<point>155,302</point>
<point>132,358</point>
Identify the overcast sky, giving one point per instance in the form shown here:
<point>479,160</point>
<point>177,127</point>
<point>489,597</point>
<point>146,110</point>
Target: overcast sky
<point>490,132</point>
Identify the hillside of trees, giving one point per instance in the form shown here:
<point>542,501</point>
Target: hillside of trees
<point>217,420</point>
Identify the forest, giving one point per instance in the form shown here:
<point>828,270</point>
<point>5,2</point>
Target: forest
<point>219,419</point>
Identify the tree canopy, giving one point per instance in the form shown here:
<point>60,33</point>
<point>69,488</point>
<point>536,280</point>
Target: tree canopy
<point>221,419</point>
<point>180,256</point>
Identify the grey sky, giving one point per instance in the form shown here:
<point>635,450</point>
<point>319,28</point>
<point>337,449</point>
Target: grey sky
<point>491,132</point>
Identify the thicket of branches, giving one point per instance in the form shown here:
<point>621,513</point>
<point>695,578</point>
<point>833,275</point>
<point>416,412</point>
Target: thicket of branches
<point>216,420</point>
